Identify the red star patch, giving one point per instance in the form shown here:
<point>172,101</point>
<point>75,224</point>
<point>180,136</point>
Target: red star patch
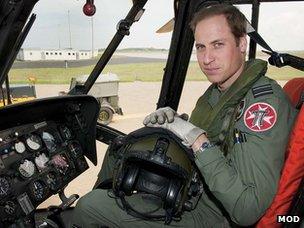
<point>260,117</point>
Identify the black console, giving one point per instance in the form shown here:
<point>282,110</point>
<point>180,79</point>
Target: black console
<point>43,145</point>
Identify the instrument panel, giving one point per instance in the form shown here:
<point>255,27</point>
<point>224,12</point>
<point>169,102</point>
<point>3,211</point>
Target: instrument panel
<point>39,156</point>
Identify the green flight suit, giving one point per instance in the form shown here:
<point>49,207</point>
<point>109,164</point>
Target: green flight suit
<point>244,180</point>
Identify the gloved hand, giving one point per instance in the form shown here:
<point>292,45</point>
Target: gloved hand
<point>183,129</point>
<point>162,115</point>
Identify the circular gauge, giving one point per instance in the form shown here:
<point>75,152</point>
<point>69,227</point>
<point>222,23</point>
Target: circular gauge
<point>66,132</point>
<point>4,187</point>
<point>52,181</point>
<point>19,147</point>
<point>60,163</point>
<point>41,161</point>
<point>75,149</point>
<point>34,142</point>
<point>49,141</point>
<point>82,164</point>
<point>38,189</point>
<point>5,149</point>
<point>10,207</point>
<point>27,168</point>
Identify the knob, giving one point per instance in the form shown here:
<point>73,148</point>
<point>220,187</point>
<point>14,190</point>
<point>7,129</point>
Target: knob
<point>89,8</point>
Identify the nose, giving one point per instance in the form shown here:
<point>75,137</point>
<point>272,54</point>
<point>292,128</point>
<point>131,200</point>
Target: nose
<point>207,56</point>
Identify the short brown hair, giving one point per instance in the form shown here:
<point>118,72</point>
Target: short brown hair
<point>235,18</point>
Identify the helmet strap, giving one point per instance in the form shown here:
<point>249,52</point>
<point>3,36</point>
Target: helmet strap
<point>168,217</point>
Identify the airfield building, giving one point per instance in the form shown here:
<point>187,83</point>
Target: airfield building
<point>54,54</point>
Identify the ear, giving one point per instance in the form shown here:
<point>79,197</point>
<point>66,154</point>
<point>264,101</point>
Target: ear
<point>243,44</point>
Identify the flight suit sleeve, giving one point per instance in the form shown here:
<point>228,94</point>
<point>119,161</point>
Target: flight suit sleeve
<point>106,171</point>
<point>246,180</point>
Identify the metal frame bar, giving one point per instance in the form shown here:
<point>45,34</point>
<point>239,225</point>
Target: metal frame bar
<point>8,92</point>
<point>254,22</point>
<point>18,12</point>
<point>14,52</point>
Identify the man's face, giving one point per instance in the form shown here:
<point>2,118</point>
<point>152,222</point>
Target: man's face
<point>218,54</point>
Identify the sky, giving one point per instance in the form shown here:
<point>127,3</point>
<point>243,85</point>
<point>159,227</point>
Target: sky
<point>280,24</point>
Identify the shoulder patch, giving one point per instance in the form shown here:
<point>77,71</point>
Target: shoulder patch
<point>260,117</point>
<point>262,90</point>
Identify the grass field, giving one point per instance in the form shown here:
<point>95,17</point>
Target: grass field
<point>127,73</point>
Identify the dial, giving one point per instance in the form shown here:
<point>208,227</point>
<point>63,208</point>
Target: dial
<point>38,189</point>
<point>61,163</point>
<point>82,164</point>
<point>5,149</point>
<point>27,168</point>
<point>41,161</point>
<point>49,141</point>
<point>10,207</point>
<point>4,187</point>
<point>52,181</point>
<point>66,132</point>
<point>19,147</point>
<point>34,142</point>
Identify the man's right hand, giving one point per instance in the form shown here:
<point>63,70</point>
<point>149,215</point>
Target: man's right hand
<point>162,115</point>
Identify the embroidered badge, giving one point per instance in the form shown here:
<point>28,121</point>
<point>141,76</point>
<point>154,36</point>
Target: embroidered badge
<point>240,110</point>
<point>260,117</point>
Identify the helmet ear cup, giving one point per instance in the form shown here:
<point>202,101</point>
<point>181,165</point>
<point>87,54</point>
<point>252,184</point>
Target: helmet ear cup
<point>129,180</point>
<point>173,193</point>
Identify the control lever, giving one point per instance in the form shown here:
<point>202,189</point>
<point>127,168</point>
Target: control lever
<point>66,201</point>
<point>54,219</point>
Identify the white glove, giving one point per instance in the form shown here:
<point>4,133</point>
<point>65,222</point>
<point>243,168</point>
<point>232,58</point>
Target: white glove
<point>185,130</point>
<point>162,115</point>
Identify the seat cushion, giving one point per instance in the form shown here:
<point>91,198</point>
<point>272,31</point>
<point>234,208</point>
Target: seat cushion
<point>294,89</point>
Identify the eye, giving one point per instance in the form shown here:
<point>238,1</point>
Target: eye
<point>218,45</point>
<point>199,47</point>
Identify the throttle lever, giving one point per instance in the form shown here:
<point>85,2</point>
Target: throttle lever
<point>66,201</point>
<point>54,217</point>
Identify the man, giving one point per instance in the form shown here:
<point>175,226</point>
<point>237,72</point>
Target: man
<point>238,132</point>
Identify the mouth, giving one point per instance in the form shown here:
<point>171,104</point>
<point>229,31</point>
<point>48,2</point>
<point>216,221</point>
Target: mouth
<point>211,71</point>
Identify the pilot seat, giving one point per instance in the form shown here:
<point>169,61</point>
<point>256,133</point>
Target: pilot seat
<point>289,200</point>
